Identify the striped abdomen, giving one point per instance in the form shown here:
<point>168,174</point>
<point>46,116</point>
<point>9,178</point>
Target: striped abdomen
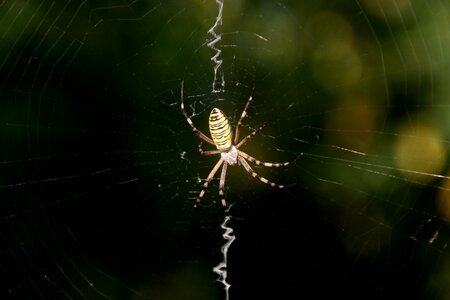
<point>220,129</point>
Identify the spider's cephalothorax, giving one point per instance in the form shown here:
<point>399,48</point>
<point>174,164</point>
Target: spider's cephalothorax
<point>228,149</point>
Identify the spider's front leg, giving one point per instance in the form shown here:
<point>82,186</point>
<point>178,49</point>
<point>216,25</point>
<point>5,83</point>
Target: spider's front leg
<point>208,180</point>
<point>222,185</point>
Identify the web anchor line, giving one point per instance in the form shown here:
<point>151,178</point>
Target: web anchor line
<point>221,268</point>
<point>219,79</point>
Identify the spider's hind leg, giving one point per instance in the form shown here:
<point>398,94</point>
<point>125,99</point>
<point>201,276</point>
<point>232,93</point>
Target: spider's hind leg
<point>243,115</point>
<point>188,119</point>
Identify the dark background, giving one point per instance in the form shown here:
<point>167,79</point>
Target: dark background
<point>99,168</point>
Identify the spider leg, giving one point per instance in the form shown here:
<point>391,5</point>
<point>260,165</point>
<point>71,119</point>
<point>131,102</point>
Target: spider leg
<point>208,180</point>
<point>261,163</point>
<point>255,175</point>
<point>243,115</point>
<point>248,137</point>
<point>222,185</point>
<point>188,119</point>
<point>207,153</point>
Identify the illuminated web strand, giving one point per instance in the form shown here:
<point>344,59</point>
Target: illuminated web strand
<point>218,83</point>
<point>219,86</point>
<point>221,269</point>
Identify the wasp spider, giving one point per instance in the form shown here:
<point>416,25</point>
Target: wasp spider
<point>228,148</point>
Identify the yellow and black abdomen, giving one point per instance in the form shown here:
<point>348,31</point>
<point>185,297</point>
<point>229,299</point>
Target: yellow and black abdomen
<point>220,129</point>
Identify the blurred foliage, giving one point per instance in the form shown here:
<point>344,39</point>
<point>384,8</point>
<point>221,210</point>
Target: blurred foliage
<point>98,162</point>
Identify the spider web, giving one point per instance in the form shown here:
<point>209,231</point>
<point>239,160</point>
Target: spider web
<point>100,169</point>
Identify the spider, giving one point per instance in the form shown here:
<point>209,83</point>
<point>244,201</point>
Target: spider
<point>227,148</point>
